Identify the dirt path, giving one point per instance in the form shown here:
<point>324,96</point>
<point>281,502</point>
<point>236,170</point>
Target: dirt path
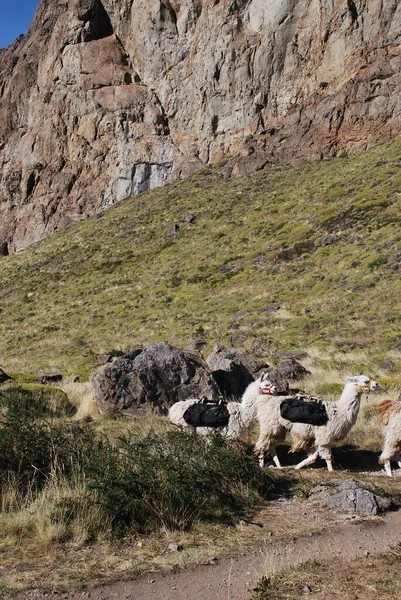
<point>234,578</point>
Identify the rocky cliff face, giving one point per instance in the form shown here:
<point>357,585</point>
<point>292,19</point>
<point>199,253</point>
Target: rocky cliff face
<point>104,99</point>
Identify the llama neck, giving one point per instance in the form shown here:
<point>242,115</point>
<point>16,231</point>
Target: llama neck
<point>349,402</point>
<point>248,403</point>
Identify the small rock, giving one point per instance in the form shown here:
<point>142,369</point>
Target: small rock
<point>190,218</point>
<point>172,547</point>
<point>306,589</point>
<point>50,378</point>
<point>387,364</point>
<point>173,230</point>
<point>240,315</point>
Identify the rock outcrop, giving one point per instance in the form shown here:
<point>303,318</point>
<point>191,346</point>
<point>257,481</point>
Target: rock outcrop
<point>229,372</point>
<point>348,495</point>
<point>292,370</point>
<point>152,379</point>
<point>103,99</point>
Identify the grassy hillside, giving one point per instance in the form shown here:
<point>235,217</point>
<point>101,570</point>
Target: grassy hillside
<point>289,257</point>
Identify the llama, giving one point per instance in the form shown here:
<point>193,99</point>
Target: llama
<point>341,417</point>
<point>241,414</point>
<point>390,416</point>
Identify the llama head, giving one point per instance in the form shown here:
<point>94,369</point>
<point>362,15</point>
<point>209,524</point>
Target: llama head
<point>363,383</point>
<point>266,387</point>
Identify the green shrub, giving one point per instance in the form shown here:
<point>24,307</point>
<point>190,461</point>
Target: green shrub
<point>390,382</point>
<point>30,450</point>
<point>24,377</point>
<point>35,401</point>
<point>175,480</point>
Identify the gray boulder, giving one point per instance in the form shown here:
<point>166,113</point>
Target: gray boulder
<point>254,364</point>
<point>387,364</point>
<point>230,374</point>
<point>360,502</point>
<point>291,369</point>
<point>347,495</point>
<point>153,378</point>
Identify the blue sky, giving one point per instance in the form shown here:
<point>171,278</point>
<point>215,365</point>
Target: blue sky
<point>15,18</point>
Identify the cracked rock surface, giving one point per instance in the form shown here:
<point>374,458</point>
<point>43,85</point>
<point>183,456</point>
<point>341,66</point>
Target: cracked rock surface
<point>104,99</point>
<point>347,495</point>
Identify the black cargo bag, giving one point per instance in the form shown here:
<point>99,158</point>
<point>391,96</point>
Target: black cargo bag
<point>300,411</point>
<point>207,414</point>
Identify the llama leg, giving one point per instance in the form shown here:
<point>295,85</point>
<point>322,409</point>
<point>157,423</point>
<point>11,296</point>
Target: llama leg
<point>387,466</point>
<point>308,461</point>
<point>275,457</point>
<point>325,453</point>
<point>397,458</point>
<point>260,448</point>
<point>385,458</point>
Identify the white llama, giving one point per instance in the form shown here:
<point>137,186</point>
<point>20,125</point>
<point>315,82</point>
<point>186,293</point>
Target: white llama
<point>241,414</point>
<point>390,416</point>
<point>319,439</point>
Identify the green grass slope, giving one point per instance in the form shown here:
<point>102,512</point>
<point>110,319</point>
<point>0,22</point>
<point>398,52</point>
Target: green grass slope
<point>310,255</point>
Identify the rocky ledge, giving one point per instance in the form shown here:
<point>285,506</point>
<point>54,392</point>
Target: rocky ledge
<point>102,100</point>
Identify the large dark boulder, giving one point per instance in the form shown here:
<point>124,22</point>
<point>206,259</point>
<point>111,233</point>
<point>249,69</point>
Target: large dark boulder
<point>292,370</point>
<point>230,374</point>
<point>253,363</point>
<point>153,378</point>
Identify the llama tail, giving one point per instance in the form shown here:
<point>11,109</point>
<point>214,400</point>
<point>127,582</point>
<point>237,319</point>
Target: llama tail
<point>386,409</point>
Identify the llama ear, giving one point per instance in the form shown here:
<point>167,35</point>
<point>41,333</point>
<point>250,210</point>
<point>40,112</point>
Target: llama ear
<point>262,376</point>
<point>349,379</point>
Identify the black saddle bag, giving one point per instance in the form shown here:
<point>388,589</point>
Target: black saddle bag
<point>300,411</point>
<point>207,414</point>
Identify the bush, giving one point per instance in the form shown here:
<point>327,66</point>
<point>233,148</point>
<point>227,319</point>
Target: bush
<point>29,450</point>
<point>140,486</point>
<point>33,401</point>
<point>390,383</point>
<point>174,480</point>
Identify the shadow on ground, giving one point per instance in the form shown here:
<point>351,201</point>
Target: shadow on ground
<point>345,458</point>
